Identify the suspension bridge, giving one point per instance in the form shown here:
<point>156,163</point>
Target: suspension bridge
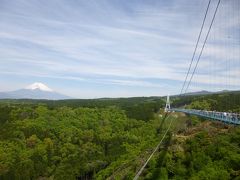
<point>225,117</point>
<point>229,118</point>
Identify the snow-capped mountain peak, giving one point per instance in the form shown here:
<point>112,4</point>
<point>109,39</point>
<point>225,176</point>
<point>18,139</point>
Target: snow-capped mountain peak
<point>39,86</point>
<point>36,90</point>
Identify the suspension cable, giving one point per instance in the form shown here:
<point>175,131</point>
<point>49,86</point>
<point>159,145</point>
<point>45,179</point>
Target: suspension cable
<point>157,147</point>
<point>196,46</point>
<point>204,43</point>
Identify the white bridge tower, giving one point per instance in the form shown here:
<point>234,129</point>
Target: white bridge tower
<point>167,107</point>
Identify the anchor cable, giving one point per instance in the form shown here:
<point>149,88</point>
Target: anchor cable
<point>142,168</point>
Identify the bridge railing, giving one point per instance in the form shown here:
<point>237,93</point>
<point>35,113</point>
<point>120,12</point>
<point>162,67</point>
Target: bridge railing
<point>233,118</point>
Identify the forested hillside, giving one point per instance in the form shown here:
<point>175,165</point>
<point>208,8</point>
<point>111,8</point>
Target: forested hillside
<point>207,150</point>
<point>69,143</point>
<point>141,108</point>
<point>228,101</point>
<point>112,138</point>
<point>204,149</point>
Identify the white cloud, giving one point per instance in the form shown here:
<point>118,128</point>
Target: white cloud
<point>108,40</point>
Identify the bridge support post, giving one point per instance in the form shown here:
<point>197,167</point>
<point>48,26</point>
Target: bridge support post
<point>167,107</point>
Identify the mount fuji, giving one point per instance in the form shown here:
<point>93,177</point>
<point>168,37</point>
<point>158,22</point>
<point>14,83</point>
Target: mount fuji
<point>36,90</point>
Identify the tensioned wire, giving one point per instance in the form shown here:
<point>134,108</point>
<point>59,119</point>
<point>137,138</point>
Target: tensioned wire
<point>203,46</point>
<point>196,46</point>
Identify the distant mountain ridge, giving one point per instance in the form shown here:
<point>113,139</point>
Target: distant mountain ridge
<point>34,91</point>
<point>204,92</point>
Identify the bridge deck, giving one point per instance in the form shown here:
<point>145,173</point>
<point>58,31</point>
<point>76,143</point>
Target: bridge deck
<point>232,118</point>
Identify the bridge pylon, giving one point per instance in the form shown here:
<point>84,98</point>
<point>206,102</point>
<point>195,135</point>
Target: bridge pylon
<point>167,107</point>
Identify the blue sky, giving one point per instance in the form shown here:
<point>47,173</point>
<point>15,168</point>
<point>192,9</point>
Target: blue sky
<point>116,48</point>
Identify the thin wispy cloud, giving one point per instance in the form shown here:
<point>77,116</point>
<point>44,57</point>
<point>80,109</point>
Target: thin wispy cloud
<point>117,47</point>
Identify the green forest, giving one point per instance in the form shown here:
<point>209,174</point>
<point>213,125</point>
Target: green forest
<point>228,101</point>
<point>112,138</point>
